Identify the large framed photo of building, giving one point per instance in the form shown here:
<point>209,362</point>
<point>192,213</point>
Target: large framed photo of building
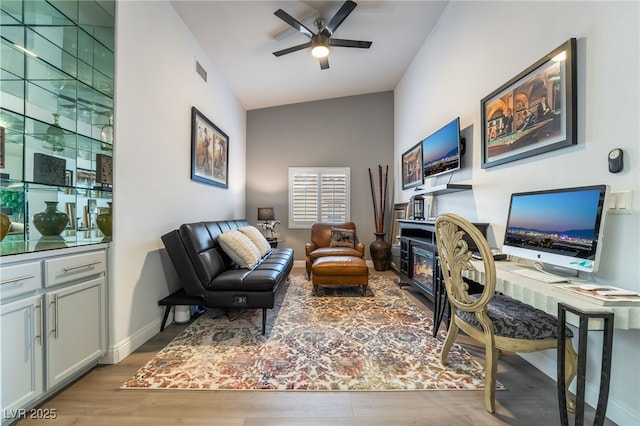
<point>533,113</point>
<point>209,151</point>
<point>412,167</point>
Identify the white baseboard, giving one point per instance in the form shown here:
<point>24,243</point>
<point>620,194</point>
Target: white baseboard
<point>119,351</point>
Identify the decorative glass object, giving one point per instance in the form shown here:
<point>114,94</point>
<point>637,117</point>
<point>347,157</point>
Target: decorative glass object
<point>106,135</point>
<point>50,221</point>
<point>104,221</point>
<point>5,224</point>
<point>54,139</point>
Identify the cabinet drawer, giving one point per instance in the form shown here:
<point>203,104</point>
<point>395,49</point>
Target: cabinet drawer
<point>20,279</point>
<point>70,268</point>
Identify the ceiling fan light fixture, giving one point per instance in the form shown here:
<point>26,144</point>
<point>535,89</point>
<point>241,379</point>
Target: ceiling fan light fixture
<point>321,39</point>
<point>320,46</point>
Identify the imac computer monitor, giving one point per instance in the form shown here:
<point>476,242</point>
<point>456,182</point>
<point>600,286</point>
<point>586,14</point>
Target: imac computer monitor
<point>560,227</point>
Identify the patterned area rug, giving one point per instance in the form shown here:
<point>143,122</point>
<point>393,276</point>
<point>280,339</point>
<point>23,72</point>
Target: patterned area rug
<point>337,340</point>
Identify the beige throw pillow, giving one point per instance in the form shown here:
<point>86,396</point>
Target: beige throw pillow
<point>239,248</point>
<point>257,238</point>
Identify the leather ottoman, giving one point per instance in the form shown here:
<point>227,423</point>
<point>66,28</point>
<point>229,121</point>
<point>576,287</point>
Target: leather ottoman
<point>340,270</point>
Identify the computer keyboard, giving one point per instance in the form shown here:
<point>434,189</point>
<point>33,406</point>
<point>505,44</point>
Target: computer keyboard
<point>544,277</point>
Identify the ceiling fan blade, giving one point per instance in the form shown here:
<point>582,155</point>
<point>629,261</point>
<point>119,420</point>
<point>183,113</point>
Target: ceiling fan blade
<point>293,22</point>
<point>350,43</point>
<point>324,63</point>
<point>341,15</point>
<point>292,49</point>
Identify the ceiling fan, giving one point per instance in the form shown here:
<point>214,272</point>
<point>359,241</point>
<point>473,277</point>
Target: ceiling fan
<point>322,39</point>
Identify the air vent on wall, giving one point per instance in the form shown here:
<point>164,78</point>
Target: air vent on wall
<point>201,71</point>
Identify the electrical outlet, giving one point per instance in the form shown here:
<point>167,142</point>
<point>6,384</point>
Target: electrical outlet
<point>620,202</point>
<point>239,300</point>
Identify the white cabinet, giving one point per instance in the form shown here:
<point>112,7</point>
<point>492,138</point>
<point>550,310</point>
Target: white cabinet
<point>63,269</point>
<point>22,356</point>
<point>53,317</point>
<point>75,329</point>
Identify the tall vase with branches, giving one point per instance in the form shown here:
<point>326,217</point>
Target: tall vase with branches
<point>380,249</point>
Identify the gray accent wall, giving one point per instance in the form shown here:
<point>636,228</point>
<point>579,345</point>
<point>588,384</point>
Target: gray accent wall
<point>354,131</point>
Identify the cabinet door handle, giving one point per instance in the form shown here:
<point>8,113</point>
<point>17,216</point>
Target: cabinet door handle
<point>86,265</point>
<point>55,316</point>
<point>16,279</point>
<point>38,335</point>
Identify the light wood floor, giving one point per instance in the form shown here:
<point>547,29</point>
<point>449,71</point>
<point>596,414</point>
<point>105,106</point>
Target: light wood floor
<point>96,399</point>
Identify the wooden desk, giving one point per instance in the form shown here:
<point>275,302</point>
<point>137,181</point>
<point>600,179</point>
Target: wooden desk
<point>576,310</point>
<point>547,296</point>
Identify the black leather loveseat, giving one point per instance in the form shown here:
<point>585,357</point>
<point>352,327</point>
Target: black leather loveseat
<point>211,279</point>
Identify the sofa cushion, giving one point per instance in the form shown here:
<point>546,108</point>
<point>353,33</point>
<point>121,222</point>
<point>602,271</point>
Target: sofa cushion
<point>239,248</point>
<point>333,251</point>
<point>342,238</point>
<point>257,238</point>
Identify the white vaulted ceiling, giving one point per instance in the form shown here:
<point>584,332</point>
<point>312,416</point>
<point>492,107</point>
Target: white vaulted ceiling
<point>240,37</point>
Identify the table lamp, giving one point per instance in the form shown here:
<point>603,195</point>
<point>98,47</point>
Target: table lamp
<point>267,215</point>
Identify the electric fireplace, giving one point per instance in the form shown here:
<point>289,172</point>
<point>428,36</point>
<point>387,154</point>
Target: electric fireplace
<point>419,265</point>
<point>422,268</point>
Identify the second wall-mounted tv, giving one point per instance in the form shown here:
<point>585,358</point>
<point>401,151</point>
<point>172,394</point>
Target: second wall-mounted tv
<point>441,150</point>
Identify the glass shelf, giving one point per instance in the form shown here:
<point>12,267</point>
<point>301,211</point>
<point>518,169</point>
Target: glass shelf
<point>56,91</point>
<point>444,189</point>
<point>21,201</point>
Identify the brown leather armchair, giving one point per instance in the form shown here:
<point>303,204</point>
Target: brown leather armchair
<point>320,244</point>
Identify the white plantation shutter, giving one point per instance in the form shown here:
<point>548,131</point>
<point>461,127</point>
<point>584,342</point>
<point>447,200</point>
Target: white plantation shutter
<point>333,196</point>
<point>304,197</point>
<point>319,194</point>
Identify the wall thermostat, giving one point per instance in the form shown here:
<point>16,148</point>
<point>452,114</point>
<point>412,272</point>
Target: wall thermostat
<point>615,160</point>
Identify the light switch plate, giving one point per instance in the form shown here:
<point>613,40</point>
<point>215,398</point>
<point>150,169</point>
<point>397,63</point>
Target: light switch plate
<point>620,202</point>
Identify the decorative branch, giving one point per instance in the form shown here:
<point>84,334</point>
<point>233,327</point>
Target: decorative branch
<point>379,208</point>
<point>373,197</point>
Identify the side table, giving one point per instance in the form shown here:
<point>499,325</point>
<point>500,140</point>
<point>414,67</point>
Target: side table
<point>273,242</point>
<point>605,369</point>
<point>177,298</point>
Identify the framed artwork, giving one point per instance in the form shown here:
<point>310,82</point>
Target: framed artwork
<point>70,209</point>
<point>49,170</point>
<point>92,205</point>
<point>412,167</point>
<point>533,113</point>
<point>104,169</point>
<point>68,178</point>
<point>209,151</point>
<point>400,211</point>
<point>85,178</point>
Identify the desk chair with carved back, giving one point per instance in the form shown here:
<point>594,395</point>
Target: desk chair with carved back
<point>498,322</point>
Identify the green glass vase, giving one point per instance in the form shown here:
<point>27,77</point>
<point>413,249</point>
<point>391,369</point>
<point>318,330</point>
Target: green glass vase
<point>50,221</point>
<point>5,224</point>
<point>104,221</point>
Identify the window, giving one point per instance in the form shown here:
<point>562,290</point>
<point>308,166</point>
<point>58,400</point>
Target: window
<point>318,194</point>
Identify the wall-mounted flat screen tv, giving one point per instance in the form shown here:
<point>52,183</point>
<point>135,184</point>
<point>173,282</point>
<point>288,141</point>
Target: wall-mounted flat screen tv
<point>441,150</point>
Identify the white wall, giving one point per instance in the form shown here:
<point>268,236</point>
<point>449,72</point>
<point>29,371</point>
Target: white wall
<point>477,47</point>
<point>156,86</point>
